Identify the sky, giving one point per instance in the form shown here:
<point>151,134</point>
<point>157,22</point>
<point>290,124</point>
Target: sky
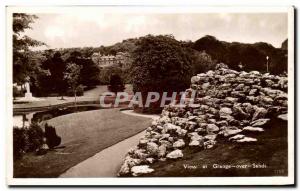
<point>94,29</point>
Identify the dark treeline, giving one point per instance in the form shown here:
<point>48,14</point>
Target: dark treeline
<point>247,56</point>
<point>211,50</point>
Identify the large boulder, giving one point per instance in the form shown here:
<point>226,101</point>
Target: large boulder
<point>175,154</point>
<point>225,111</point>
<point>179,144</point>
<point>152,148</point>
<point>143,169</point>
<point>212,128</point>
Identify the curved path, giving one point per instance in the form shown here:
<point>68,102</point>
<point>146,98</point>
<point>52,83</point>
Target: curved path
<point>107,162</point>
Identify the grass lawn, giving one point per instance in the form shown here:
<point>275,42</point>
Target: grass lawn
<point>270,149</point>
<point>83,135</point>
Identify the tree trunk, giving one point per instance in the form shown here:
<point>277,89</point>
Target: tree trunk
<point>75,99</point>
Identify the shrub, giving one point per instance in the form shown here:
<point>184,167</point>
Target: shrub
<point>35,137</point>
<point>51,137</point>
<point>27,139</point>
<point>19,142</point>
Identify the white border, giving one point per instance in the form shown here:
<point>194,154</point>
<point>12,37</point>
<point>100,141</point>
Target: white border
<point>153,181</point>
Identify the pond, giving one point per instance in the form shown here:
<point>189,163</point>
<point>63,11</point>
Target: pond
<point>24,119</point>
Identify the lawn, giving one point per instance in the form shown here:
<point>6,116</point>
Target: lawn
<point>83,135</point>
<point>270,150</point>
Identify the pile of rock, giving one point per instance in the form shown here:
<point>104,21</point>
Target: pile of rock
<point>228,104</point>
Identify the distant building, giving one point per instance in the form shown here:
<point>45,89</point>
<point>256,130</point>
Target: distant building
<point>120,59</point>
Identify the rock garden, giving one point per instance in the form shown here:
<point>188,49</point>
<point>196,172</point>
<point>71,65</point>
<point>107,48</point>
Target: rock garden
<point>230,106</point>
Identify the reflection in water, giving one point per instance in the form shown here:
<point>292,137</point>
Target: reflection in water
<point>24,119</point>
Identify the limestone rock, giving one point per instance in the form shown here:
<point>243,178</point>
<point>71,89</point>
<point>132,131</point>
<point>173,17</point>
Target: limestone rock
<point>164,136</point>
<point>230,131</point>
<point>127,164</point>
<point>143,142</point>
<point>194,143</point>
<point>212,128</point>
<point>231,99</point>
<point>196,137</point>
<point>210,136</point>
<point>179,144</point>
<point>152,148</point>
<point>162,151</point>
<point>168,144</point>
<point>209,144</point>
<point>195,79</point>
<point>253,129</point>
<point>259,122</point>
<point>140,153</point>
<point>175,154</point>
<point>181,132</point>
<point>150,160</point>
<point>246,140</point>
<point>267,100</point>
<point>143,169</point>
<point>252,92</point>
<point>283,117</point>
<point>238,136</point>
<point>225,111</point>
<point>171,127</point>
<point>260,112</point>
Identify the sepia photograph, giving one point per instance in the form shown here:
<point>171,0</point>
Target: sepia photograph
<point>104,95</point>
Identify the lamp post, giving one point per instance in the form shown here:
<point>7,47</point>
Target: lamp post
<point>241,65</point>
<point>267,57</point>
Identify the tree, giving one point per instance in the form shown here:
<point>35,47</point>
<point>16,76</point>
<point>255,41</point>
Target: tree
<point>90,70</point>
<point>250,56</point>
<point>202,62</point>
<point>22,65</point>
<point>160,64</point>
<point>212,46</point>
<point>72,75</point>
<point>105,74</point>
<point>55,82</point>
<point>116,84</point>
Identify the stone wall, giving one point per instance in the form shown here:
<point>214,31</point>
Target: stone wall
<point>228,103</point>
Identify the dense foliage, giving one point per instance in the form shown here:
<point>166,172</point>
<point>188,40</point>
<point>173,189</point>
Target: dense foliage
<point>249,56</point>
<point>24,64</point>
<point>55,63</point>
<point>160,64</point>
